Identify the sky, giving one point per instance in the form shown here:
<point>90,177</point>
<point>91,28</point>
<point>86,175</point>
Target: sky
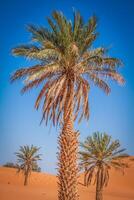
<point>113,114</point>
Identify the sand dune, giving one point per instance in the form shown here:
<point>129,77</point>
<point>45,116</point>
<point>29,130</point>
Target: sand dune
<point>44,187</point>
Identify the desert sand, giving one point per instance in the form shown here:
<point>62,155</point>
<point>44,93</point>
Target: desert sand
<point>43,186</point>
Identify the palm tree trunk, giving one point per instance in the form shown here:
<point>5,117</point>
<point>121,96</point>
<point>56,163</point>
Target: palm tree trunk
<point>68,146</point>
<point>26,179</point>
<point>99,195</point>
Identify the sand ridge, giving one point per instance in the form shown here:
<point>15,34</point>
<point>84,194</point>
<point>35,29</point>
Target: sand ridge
<point>43,186</point>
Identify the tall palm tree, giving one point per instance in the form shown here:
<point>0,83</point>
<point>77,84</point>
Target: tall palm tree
<point>98,155</point>
<point>27,158</point>
<point>66,63</point>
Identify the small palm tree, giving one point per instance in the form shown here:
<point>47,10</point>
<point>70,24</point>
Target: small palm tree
<point>99,155</point>
<point>66,63</point>
<point>27,160</point>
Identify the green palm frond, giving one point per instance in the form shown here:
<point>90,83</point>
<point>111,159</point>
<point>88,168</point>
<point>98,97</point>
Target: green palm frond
<point>27,158</point>
<point>65,54</point>
<point>39,34</point>
<point>98,155</point>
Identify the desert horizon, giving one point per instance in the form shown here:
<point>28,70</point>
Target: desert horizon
<point>44,186</point>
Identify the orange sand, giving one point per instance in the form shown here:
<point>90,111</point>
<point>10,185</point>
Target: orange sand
<point>44,187</point>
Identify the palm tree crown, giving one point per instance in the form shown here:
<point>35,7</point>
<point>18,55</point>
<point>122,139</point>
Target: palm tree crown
<point>66,57</point>
<point>99,155</point>
<point>27,158</point>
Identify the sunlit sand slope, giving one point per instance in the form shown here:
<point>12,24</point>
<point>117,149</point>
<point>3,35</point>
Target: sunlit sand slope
<point>44,186</point>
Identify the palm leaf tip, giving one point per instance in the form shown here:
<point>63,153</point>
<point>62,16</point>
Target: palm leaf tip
<point>15,51</point>
<point>92,24</point>
<point>12,50</point>
<point>13,77</point>
<point>16,75</point>
<point>18,50</point>
<point>120,79</point>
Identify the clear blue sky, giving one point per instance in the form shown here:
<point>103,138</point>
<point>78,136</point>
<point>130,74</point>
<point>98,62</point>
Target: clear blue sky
<point>19,122</point>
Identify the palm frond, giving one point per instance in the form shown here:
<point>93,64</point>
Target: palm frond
<point>27,157</point>
<point>100,83</point>
<point>65,50</point>
<point>98,155</point>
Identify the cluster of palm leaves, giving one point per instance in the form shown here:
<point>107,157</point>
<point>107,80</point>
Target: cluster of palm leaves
<point>66,63</point>
<point>65,55</point>
<point>27,158</point>
<point>99,154</point>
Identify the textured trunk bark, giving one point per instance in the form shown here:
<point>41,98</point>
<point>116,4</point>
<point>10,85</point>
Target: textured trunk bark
<point>26,179</point>
<point>99,195</point>
<point>68,147</point>
<point>99,187</point>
